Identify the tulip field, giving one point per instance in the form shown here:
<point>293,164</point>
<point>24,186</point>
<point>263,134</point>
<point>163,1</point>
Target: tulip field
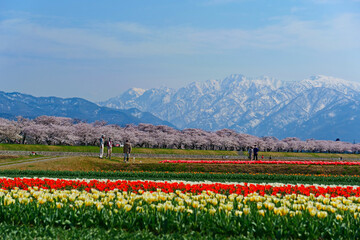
<point>162,204</point>
<point>111,209</point>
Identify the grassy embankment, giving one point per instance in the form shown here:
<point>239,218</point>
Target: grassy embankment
<point>26,147</point>
<point>18,159</point>
<point>82,163</point>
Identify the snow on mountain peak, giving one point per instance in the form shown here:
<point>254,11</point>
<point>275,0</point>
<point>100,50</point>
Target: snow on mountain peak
<point>331,82</point>
<point>256,105</point>
<point>136,91</point>
<point>236,76</point>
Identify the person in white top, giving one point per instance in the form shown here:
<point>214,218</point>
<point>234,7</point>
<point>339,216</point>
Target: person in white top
<point>102,142</point>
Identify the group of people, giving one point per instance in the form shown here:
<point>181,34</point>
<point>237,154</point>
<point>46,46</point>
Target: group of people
<point>109,145</point>
<point>253,152</point>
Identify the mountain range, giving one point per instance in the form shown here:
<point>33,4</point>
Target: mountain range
<point>18,104</point>
<point>319,107</point>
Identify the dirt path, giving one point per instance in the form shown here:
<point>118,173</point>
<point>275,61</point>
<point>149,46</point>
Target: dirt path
<point>27,161</point>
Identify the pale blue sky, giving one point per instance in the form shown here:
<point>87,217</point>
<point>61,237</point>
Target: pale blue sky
<point>98,49</point>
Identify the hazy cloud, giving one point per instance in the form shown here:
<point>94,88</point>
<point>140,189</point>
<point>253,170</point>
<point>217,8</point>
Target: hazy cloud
<point>127,39</point>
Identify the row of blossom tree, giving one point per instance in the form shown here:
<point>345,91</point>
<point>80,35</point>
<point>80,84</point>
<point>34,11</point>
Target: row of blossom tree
<point>66,131</point>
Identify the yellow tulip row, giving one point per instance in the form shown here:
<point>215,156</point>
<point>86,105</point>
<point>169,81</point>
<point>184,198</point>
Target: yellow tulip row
<point>206,202</point>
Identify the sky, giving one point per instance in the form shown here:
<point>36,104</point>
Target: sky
<point>98,49</point>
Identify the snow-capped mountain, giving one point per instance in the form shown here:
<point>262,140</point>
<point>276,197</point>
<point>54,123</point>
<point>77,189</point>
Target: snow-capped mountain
<point>318,107</point>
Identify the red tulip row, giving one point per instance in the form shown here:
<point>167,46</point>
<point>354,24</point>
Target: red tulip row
<point>198,188</point>
<point>261,162</point>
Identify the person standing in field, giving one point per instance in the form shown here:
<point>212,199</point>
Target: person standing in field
<point>256,150</point>
<point>109,145</point>
<point>251,150</point>
<point>102,143</point>
<point>127,151</point>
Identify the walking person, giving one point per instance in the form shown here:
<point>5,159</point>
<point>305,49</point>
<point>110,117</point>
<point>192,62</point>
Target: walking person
<point>109,145</point>
<point>256,150</point>
<point>250,151</point>
<point>102,143</point>
<point>127,151</point>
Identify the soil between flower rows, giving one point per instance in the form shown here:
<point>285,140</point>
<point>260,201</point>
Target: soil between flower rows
<point>235,168</point>
<point>117,164</point>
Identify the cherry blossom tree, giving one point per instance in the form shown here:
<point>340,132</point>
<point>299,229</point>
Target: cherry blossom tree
<point>9,131</point>
<point>270,143</point>
<point>36,133</point>
<point>67,131</point>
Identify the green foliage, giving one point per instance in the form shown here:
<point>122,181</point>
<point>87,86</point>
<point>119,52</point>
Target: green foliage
<point>13,232</point>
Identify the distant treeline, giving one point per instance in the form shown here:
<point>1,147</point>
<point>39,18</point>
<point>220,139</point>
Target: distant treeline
<point>66,131</point>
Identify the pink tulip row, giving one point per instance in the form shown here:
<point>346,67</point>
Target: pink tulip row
<point>261,162</point>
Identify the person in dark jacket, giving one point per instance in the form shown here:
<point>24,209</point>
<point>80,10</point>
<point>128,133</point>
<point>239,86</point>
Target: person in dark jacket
<point>127,151</point>
<point>256,150</point>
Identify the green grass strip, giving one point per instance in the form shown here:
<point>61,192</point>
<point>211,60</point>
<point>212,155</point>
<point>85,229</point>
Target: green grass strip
<point>51,148</point>
<point>95,149</point>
